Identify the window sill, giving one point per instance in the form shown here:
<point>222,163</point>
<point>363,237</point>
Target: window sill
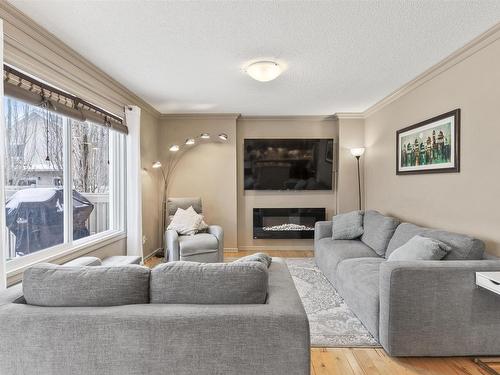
<point>16,267</point>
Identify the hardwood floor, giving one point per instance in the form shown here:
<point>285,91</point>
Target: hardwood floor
<point>370,361</point>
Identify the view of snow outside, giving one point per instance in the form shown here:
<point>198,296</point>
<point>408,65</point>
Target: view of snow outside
<point>34,172</point>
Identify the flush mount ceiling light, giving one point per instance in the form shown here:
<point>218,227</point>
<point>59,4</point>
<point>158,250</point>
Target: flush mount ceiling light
<point>174,148</point>
<point>205,136</point>
<point>263,71</point>
<point>190,141</point>
<point>223,136</point>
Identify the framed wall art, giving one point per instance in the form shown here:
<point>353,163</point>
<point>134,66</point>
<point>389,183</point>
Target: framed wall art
<point>431,146</point>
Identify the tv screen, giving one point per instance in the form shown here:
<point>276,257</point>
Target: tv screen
<point>288,164</point>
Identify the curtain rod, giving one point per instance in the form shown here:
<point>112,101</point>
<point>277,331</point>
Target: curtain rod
<point>50,88</point>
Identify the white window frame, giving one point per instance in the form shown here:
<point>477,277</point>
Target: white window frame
<point>117,227</point>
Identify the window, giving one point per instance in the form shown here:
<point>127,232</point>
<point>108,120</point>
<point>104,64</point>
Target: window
<point>55,165</point>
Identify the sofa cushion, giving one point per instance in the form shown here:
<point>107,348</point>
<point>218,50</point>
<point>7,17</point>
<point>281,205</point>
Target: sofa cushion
<point>197,244</point>
<point>348,226</point>
<point>329,253</point>
<point>378,230</point>
<point>358,283</point>
<point>209,283</point>
<point>420,248</point>
<point>62,286</point>
<point>462,247</point>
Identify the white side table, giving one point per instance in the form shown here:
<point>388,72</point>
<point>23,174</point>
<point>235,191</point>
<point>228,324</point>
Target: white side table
<point>489,281</point>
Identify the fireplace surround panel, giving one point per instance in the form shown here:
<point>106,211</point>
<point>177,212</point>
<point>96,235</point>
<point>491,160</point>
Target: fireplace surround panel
<point>286,223</point>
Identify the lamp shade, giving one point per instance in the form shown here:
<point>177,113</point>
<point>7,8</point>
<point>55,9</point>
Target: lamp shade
<point>264,71</point>
<point>356,152</point>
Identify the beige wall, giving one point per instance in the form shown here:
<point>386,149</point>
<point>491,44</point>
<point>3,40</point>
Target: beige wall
<point>466,202</point>
<point>312,127</point>
<point>351,135</point>
<point>207,170</point>
<point>151,198</point>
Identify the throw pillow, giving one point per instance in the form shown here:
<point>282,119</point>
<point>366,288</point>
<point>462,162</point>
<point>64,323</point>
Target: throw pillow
<point>347,226</point>
<point>420,248</point>
<point>203,226</point>
<point>185,222</point>
<point>257,257</point>
<point>378,230</point>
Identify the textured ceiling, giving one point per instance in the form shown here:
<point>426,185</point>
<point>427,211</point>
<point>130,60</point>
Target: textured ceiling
<point>340,56</point>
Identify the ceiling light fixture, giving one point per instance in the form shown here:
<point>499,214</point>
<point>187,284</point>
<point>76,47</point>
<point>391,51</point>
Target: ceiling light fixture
<point>174,148</point>
<point>157,164</point>
<point>264,71</point>
<point>223,136</point>
<point>190,141</point>
<point>205,136</point>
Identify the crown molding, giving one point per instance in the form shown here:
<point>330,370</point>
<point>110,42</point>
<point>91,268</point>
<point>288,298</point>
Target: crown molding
<point>35,50</point>
<point>199,116</point>
<point>349,116</point>
<point>475,45</point>
<point>287,118</point>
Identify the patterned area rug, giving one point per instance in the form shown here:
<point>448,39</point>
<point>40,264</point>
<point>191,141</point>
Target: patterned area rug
<point>332,323</point>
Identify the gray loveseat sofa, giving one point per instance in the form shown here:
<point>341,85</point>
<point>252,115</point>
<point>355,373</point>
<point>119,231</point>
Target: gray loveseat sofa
<point>414,308</point>
<point>150,336</point>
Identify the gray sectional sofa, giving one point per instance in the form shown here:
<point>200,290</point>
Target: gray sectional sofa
<point>414,308</point>
<point>162,329</point>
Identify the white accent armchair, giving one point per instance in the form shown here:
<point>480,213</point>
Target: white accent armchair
<point>206,247</point>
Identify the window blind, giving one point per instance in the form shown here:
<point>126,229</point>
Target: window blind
<point>32,91</point>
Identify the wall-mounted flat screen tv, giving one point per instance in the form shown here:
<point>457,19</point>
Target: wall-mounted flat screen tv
<point>288,164</point>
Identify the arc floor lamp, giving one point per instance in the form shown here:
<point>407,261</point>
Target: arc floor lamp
<point>175,155</point>
<point>357,153</point>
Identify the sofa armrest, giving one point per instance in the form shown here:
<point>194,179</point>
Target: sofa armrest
<point>13,294</point>
<point>217,231</point>
<point>322,229</point>
<point>434,308</point>
<point>172,245</point>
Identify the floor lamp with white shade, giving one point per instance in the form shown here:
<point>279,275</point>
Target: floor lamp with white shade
<point>357,153</point>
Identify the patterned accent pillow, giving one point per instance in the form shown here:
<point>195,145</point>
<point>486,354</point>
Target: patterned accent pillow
<point>186,222</point>
<point>348,226</point>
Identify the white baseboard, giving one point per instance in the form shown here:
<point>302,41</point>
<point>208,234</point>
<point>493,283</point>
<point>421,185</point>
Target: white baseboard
<point>277,248</point>
<point>153,253</point>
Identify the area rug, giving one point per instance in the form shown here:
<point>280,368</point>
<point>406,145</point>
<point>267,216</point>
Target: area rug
<point>332,323</point>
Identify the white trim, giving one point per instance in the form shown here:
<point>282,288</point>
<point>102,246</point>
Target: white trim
<point>134,181</point>
<point>199,116</point>
<point>276,248</point>
<point>3,276</point>
<point>152,254</point>
<point>79,248</point>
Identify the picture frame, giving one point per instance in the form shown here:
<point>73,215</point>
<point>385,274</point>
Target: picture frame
<point>431,146</point>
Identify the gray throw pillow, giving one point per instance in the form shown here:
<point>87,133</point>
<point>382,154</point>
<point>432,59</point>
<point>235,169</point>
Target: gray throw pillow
<point>257,257</point>
<point>420,248</point>
<point>347,226</point>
